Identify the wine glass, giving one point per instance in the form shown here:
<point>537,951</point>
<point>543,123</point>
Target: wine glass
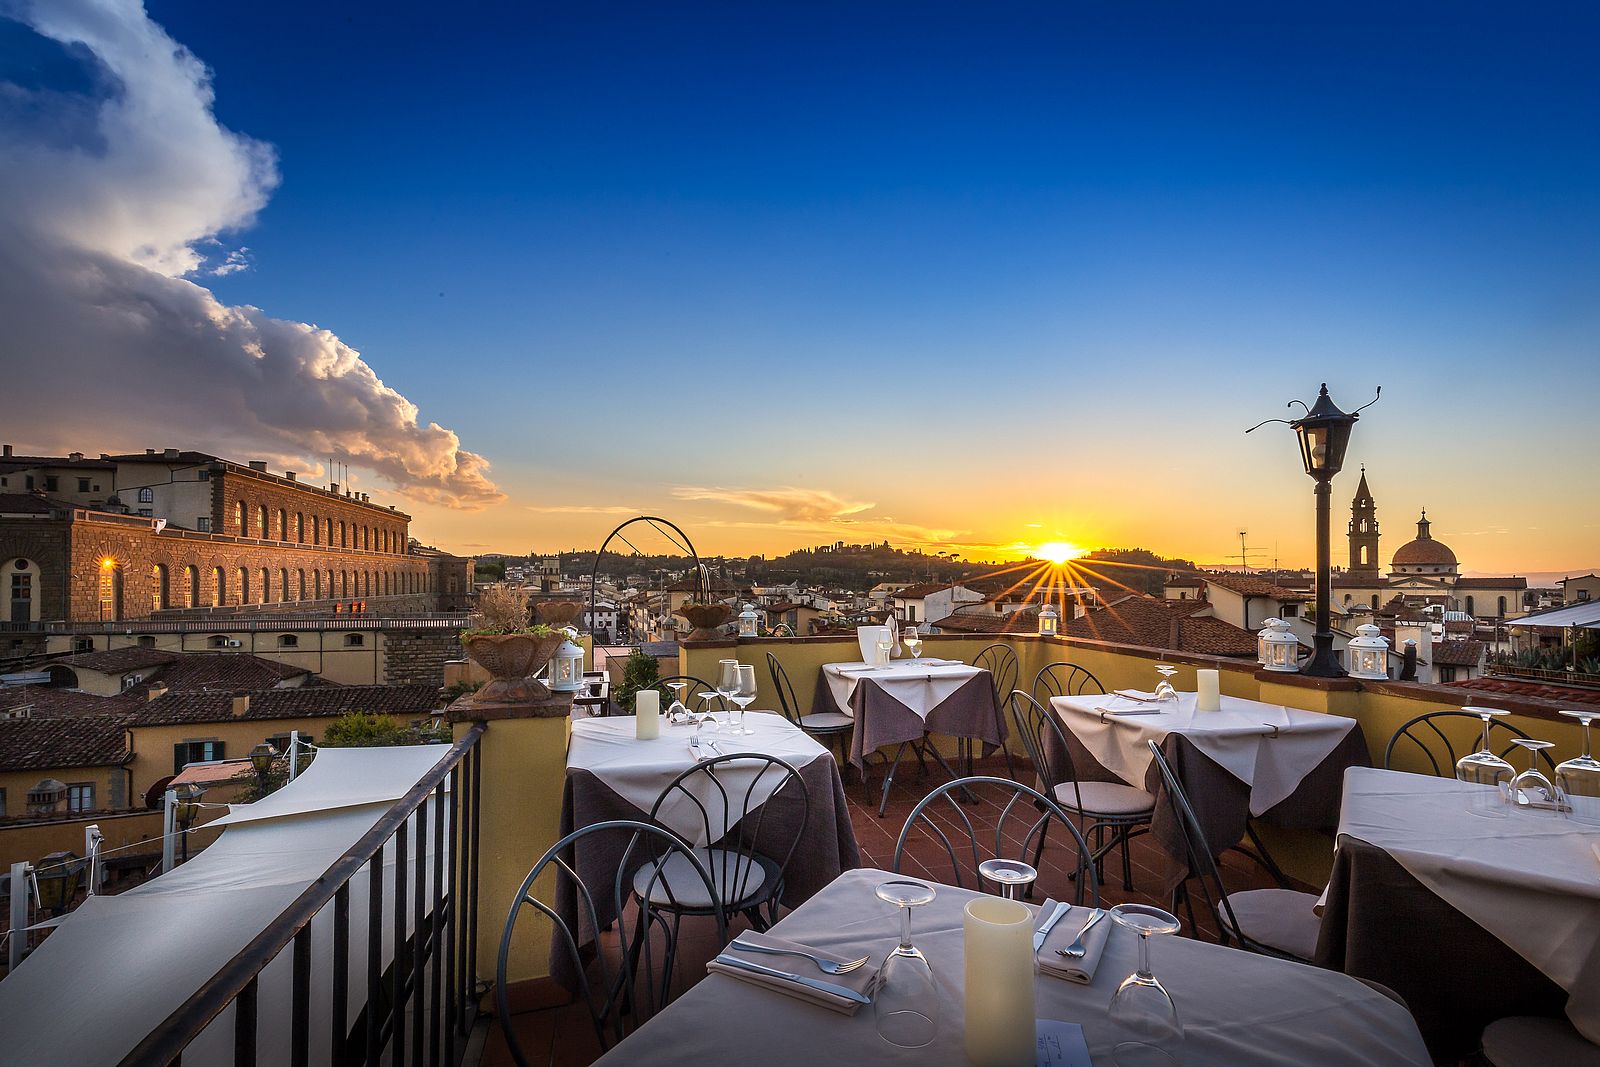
<point>885,647</point>
<point>706,715</point>
<point>907,1002</point>
<point>1164,690</point>
<point>1142,1008</point>
<point>1579,777</point>
<point>1531,791</point>
<point>728,682</point>
<point>912,639</point>
<point>1009,875</point>
<point>744,694</point>
<point>1486,772</point>
<point>677,713</point>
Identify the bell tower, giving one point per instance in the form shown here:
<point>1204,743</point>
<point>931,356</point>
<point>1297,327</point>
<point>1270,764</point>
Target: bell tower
<point>1363,532</point>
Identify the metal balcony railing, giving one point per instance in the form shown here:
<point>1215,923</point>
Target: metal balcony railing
<point>431,983</point>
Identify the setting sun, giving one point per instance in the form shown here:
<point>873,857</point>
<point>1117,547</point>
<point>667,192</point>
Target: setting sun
<point>1058,551</point>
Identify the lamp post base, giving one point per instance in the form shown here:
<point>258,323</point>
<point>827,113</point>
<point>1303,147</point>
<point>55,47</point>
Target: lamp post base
<point>1323,663</point>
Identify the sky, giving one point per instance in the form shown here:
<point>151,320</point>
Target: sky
<point>966,278</point>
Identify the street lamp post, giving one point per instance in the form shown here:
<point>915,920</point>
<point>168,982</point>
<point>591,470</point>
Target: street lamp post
<point>261,758</point>
<point>1324,433</point>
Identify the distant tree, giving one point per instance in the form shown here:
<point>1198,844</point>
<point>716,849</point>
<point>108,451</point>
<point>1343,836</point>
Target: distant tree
<point>493,570</point>
<point>640,671</point>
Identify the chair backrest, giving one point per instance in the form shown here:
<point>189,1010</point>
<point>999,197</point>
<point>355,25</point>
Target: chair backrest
<point>732,817</point>
<point>1202,861</point>
<point>1023,815</point>
<point>692,698</point>
<point>1424,734</point>
<point>780,682</point>
<point>1001,663</point>
<point>623,997</point>
<point>1064,679</point>
<point>1046,742</point>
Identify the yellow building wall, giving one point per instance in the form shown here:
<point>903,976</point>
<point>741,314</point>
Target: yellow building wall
<point>108,784</point>
<point>152,745</point>
<point>323,652</point>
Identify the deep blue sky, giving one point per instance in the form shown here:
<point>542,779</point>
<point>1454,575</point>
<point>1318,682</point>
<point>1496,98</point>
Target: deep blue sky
<point>983,228</point>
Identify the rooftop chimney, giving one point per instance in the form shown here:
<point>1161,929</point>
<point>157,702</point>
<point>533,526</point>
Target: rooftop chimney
<point>156,691</point>
<point>170,453</point>
<point>149,451</point>
<point>74,456</point>
<point>8,450</point>
<point>289,475</point>
<point>258,465</point>
<point>241,705</point>
<point>333,487</point>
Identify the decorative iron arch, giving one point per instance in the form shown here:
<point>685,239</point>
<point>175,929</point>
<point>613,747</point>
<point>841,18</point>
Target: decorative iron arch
<point>702,586</point>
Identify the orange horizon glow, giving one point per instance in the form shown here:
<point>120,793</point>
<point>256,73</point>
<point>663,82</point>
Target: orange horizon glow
<point>1058,552</point>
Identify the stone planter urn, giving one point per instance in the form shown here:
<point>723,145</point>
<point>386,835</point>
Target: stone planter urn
<point>511,660</point>
<point>557,613</point>
<point>705,618</point>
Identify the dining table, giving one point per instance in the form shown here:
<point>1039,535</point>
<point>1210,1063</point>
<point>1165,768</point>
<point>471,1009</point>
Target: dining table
<point>1469,918</point>
<point>1247,760</point>
<point>1238,1009</point>
<point>613,774</point>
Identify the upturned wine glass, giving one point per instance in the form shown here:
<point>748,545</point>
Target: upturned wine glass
<point>1009,875</point>
<point>1487,774</point>
<point>1164,690</point>
<point>906,1005</point>
<point>1142,1008</point>
<point>1532,791</point>
<point>1579,777</point>
<point>677,712</point>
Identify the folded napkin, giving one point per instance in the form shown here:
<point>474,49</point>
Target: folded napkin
<point>863,979</point>
<point>1064,934</point>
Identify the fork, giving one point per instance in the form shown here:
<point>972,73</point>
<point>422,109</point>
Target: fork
<point>825,966</point>
<point>1076,950</point>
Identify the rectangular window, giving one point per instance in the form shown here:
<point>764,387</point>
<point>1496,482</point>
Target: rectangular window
<point>147,495</point>
<point>187,752</point>
<point>52,484</point>
<point>80,796</point>
<point>205,476</point>
<point>146,513</point>
<point>83,485</point>
<point>2,803</point>
<point>203,524</point>
<point>1583,596</point>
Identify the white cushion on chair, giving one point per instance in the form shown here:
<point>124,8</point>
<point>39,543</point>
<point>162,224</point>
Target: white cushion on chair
<point>686,887</point>
<point>1280,919</point>
<point>825,720</point>
<point>1104,798</point>
<point>1534,1041</point>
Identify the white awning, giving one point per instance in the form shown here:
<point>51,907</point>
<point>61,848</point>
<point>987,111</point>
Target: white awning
<point>1584,616</point>
<point>119,965</point>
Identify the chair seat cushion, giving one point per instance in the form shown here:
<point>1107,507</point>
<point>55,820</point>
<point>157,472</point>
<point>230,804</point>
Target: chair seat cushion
<point>737,879</point>
<point>826,720</point>
<point>1535,1041</point>
<point>1104,798</point>
<point>1280,919</point>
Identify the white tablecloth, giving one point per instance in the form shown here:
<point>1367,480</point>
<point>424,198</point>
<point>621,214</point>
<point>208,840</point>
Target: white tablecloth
<point>1532,881</point>
<point>919,686</point>
<point>639,770</point>
<point>1239,738</point>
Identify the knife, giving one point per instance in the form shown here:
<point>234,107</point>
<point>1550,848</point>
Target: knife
<point>1049,924</point>
<point>815,983</point>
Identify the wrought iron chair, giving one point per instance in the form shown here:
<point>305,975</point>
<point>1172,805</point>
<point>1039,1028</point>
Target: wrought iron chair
<point>1063,679</point>
<point>1109,812</point>
<point>1272,922</point>
<point>1001,663</point>
<point>746,867</point>
<point>694,697</point>
<point>1017,802</point>
<point>825,726</point>
<point>1424,733</point>
<point>619,1001</point>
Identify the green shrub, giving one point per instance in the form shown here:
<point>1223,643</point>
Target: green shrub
<point>641,671</point>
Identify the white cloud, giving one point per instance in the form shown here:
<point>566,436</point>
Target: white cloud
<point>787,502</point>
<point>106,198</point>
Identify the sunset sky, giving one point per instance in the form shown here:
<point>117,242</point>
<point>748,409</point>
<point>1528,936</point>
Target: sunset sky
<point>959,276</point>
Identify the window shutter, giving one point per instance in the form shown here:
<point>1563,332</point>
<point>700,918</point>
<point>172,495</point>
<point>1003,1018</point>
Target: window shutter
<point>180,756</point>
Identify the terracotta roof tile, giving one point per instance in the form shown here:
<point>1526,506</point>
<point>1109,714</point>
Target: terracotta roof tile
<point>1250,585</point>
<point>75,741</point>
<point>1457,653</point>
<point>1517,687</point>
<point>221,671</point>
<point>301,703</point>
<point>1145,621</point>
<point>117,660</point>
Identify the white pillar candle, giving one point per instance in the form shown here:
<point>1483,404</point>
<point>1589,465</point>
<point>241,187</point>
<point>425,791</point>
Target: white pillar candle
<point>999,982</point>
<point>647,714</point>
<point>1209,685</point>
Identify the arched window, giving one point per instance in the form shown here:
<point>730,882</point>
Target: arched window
<point>300,527</point>
<point>344,583</point>
<point>219,587</point>
<point>354,640</point>
<point>316,530</point>
<point>20,588</point>
<point>328,526</point>
<point>316,585</point>
<point>1502,607</point>
<point>242,595</point>
<point>288,641</point>
<point>266,586</point>
<point>1374,601</point>
<point>261,522</point>
<point>1469,605</point>
<point>366,538</point>
<point>283,585</point>
<point>241,518</point>
<point>281,531</point>
<point>158,587</point>
<point>301,584</point>
<point>110,590</point>
<point>342,542</point>
<point>191,585</point>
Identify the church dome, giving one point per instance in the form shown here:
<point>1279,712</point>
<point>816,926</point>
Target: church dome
<point>1424,551</point>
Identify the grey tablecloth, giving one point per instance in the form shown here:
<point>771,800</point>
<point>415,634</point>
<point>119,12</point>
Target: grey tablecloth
<point>1221,801</point>
<point>826,848</point>
<point>1238,1009</point>
<point>882,720</point>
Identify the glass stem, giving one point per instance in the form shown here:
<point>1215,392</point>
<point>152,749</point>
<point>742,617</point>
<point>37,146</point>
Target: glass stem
<point>1586,749</point>
<point>1144,955</point>
<point>905,928</point>
<point>1486,733</point>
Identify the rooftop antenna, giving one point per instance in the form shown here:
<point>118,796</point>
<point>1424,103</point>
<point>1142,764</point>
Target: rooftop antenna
<point>1245,552</point>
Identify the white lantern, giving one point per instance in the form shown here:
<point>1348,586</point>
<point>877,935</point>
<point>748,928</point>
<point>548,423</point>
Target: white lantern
<point>566,666</point>
<point>1049,621</point>
<point>1276,647</point>
<point>1368,654</point>
<point>749,622</point>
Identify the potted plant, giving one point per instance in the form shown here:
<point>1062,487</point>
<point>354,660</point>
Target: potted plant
<point>504,643</point>
<point>705,618</point>
<point>639,672</point>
